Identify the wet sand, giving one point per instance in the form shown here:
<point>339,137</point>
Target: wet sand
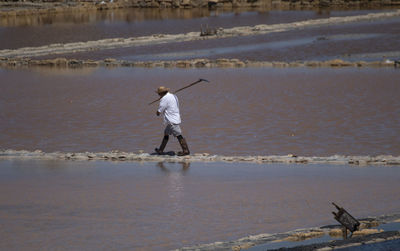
<point>123,205</point>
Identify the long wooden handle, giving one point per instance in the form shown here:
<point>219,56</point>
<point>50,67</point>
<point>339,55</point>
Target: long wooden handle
<point>192,84</point>
<point>154,101</point>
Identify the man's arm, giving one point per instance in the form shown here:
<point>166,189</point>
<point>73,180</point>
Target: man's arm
<point>162,107</point>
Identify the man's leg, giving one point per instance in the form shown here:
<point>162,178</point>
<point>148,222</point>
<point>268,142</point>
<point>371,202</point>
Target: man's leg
<point>163,144</point>
<point>185,148</point>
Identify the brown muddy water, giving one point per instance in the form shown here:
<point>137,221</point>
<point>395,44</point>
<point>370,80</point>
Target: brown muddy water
<point>89,205</point>
<point>246,111</point>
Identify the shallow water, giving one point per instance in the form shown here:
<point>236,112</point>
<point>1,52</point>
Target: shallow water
<point>31,30</point>
<point>69,205</point>
<point>368,41</point>
<point>248,111</point>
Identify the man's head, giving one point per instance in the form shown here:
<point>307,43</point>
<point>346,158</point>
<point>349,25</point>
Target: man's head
<point>162,90</point>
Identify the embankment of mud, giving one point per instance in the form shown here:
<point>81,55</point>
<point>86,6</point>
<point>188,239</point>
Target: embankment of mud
<point>201,157</point>
<point>251,241</point>
<point>156,39</point>
<point>20,8</point>
<point>364,236</point>
<point>193,63</point>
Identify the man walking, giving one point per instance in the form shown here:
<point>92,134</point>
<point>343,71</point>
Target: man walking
<point>169,108</point>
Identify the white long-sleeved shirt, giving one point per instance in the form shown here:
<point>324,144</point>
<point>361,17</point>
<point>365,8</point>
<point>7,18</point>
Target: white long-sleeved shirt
<point>169,108</point>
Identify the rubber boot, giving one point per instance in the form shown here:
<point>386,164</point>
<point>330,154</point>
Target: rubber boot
<point>185,148</point>
<point>162,146</point>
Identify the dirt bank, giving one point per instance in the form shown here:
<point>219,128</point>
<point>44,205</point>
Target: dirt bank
<point>203,157</point>
<point>194,63</point>
<point>366,236</point>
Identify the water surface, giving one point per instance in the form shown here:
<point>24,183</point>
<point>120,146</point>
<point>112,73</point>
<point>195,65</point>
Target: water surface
<point>67,205</point>
<point>38,30</point>
<point>367,41</point>
<point>248,111</point>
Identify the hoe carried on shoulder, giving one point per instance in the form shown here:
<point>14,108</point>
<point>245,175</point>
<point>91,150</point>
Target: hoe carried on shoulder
<point>190,85</point>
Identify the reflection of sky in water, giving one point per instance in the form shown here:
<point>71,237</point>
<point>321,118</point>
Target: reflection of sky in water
<point>278,45</point>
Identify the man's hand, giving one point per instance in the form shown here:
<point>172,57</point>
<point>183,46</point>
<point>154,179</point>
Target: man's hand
<point>158,113</point>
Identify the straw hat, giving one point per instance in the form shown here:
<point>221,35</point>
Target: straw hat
<point>162,89</point>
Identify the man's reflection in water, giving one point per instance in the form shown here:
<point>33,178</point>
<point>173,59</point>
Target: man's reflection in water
<point>185,167</point>
<point>175,186</point>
